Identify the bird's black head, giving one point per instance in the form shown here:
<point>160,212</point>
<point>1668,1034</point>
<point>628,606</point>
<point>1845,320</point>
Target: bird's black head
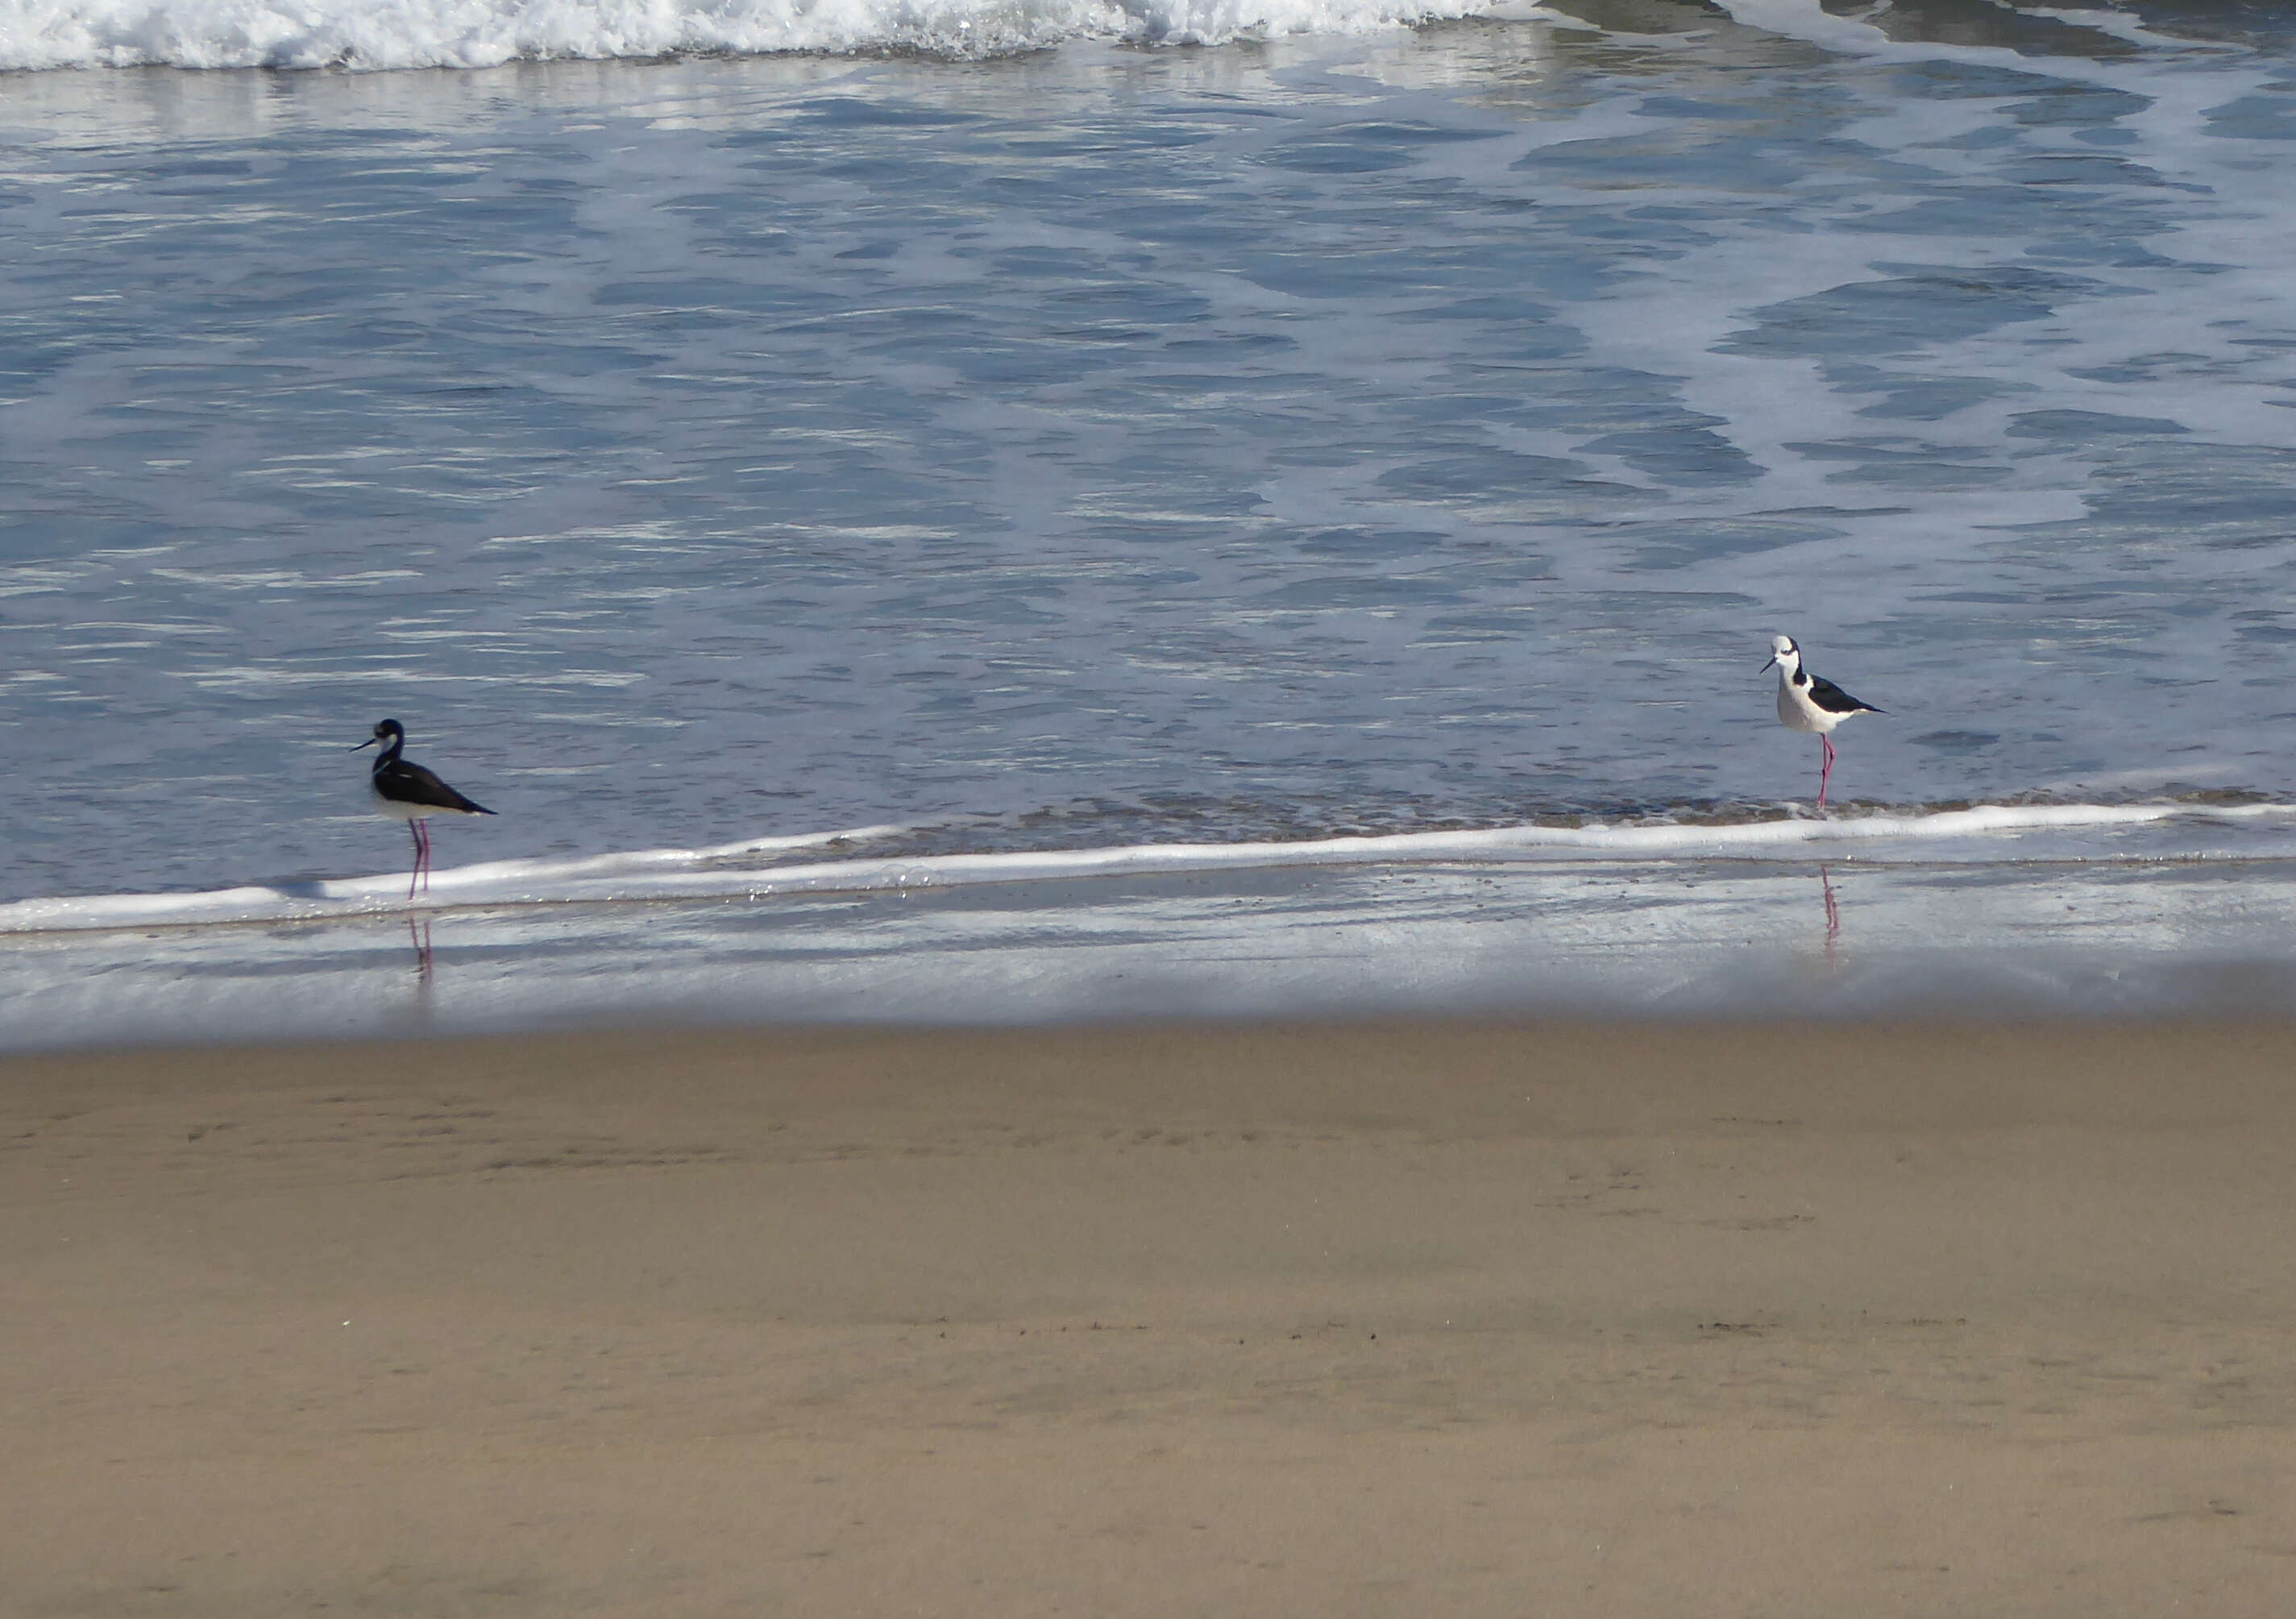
<point>385,731</point>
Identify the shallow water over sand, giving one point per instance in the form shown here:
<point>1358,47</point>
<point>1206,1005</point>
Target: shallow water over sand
<point>1339,435</point>
<point>1676,939</point>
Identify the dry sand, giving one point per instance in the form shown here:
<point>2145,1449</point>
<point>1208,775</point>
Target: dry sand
<point>1383,1320</point>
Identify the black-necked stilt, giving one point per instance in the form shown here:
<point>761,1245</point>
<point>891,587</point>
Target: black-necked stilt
<point>1808,703</point>
<point>411,793</point>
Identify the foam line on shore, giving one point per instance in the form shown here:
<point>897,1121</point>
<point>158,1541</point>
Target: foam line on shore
<point>725,872</point>
<point>489,882</point>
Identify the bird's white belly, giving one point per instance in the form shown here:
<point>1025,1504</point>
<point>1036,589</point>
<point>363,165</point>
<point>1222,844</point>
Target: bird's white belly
<point>399,810</point>
<point>390,808</point>
<point>1797,712</point>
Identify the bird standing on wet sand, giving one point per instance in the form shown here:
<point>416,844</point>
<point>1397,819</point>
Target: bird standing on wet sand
<point>1808,703</point>
<point>408,793</point>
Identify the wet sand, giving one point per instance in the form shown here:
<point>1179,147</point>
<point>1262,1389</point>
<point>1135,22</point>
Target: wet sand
<point>1346,1321</point>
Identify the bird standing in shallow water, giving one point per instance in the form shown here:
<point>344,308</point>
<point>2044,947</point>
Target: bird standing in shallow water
<point>1808,703</point>
<point>408,793</point>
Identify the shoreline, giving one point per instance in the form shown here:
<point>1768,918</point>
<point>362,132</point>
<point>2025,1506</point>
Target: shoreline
<point>1668,943</point>
<point>1482,1318</point>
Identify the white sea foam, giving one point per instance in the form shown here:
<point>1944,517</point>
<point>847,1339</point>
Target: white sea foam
<point>732,871</point>
<point>381,34</point>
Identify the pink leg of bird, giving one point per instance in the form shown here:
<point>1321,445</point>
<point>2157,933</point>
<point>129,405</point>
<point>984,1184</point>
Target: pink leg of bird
<point>425,825</point>
<point>413,833</point>
<point>1826,770</point>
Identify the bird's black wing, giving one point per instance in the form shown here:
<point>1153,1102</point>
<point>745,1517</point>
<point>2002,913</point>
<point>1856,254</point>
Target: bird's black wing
<point>1833,699</point>
<point>405,784</point>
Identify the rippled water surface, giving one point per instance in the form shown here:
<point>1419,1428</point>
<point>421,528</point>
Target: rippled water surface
<point>1109,444</point>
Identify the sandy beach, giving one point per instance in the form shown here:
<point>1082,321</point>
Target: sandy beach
<point>1346,1321</point>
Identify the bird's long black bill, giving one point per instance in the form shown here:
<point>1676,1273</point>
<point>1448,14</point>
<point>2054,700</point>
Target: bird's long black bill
<point>369,742</point>
<point>1767,668</point>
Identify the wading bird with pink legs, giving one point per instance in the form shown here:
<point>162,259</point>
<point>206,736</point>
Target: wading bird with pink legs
<point>1808,703</point>
<point>408,793</point>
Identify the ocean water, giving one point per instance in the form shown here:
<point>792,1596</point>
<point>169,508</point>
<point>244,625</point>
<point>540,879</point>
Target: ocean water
<point>986,512</point>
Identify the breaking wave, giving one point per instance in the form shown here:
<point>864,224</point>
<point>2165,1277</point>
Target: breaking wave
<point>384,33</point>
